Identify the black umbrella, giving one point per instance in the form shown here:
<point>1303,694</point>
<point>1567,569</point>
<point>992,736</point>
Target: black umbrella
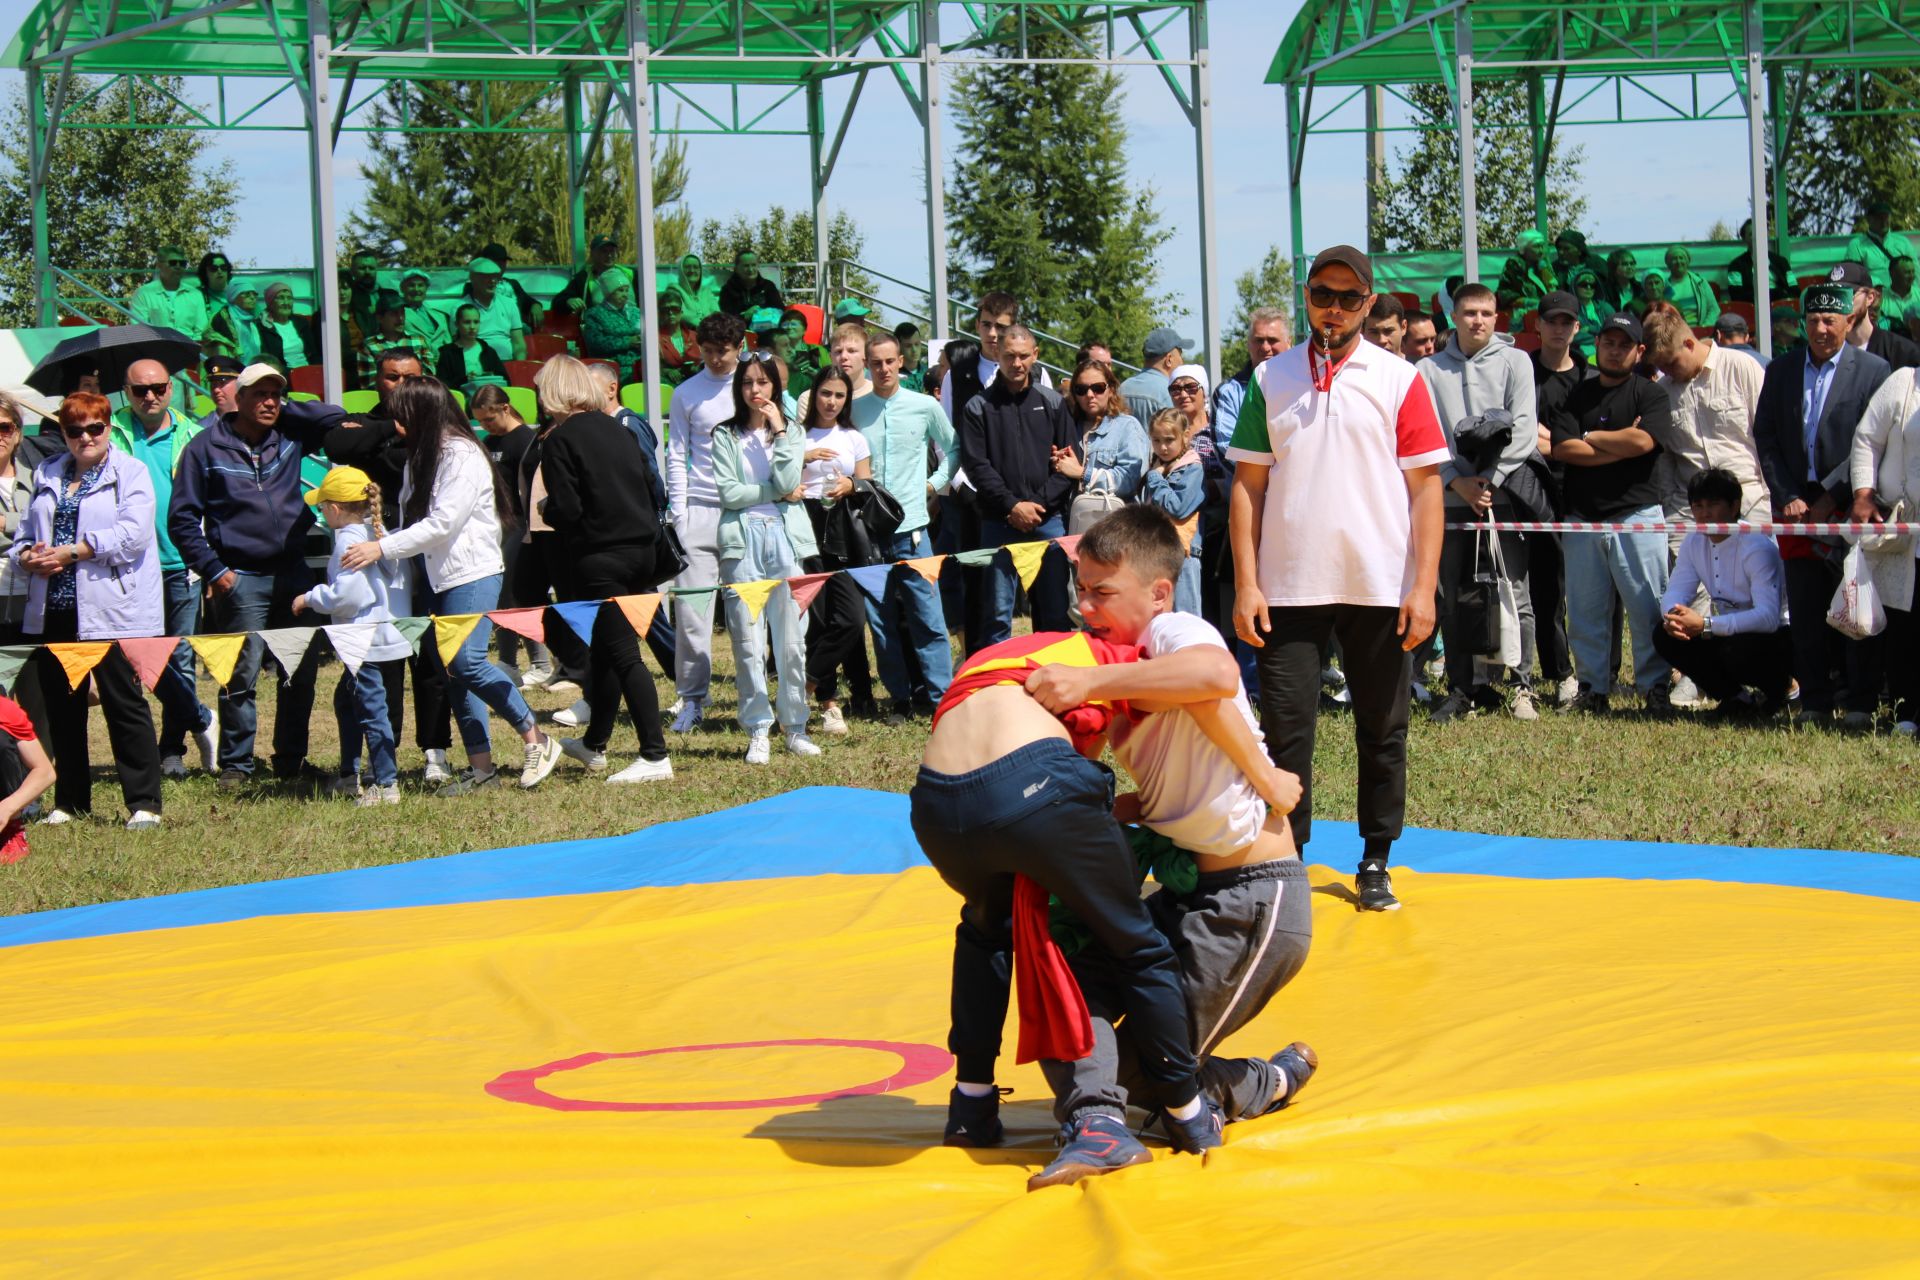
<point>108,351</point>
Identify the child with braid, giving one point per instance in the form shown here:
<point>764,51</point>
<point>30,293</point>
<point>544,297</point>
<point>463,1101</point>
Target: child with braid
<point>350,504</point>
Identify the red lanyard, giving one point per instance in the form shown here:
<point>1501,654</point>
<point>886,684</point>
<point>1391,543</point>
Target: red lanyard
<point>1333,367</point>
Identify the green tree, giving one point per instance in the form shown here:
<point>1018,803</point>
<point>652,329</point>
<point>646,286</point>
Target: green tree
<point>1419,199</point>
<point>1838,163</point>
<point>1268,285</point>
<point>114,196</point>
<point>1041,205</point>
<point>437,193</point>
<point>782,235</point>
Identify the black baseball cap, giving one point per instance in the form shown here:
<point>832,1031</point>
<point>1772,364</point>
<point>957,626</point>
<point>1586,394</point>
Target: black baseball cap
<point>1344,255</point>
<point>1560,303</point>
<point>1852,274</point>
<point>1628,323</point>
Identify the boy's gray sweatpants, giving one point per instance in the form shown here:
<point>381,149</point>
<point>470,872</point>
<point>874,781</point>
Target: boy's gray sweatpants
<point>1239,937</point>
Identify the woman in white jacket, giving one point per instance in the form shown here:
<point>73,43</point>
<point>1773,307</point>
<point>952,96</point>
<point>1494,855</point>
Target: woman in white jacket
<point>1885,471</point>
<point>451,510</point>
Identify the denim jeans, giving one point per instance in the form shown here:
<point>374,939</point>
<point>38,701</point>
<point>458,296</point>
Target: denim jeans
<point>473,683</point>
<point>1048,596</point>
<point>911,615</point>
<point>1186,588</point>
<point>259,601</point>
<point>181,711</point>
<point>769,555</point>
<point>371,725</point>
<point>1635,565</point>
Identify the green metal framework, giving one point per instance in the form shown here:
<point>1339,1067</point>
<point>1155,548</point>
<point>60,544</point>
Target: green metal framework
<point>1589,62</point>
<point>717,67</point>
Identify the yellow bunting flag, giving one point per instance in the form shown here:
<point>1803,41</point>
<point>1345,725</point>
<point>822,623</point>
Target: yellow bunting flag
<point>754,594</point>
<point>927,567</point>
<point>1026,559</point>
<point>219,653</point>
<point>79,658</point>
<point>451,631</point>
<point>639,610</point>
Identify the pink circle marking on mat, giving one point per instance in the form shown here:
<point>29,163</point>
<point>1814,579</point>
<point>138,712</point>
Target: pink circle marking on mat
<point>919,1063</point>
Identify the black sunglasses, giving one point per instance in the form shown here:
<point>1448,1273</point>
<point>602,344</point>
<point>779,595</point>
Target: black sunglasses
<point>150,388</point>
<point>1346,300</point>
<point>1090,388</point>
<point>93,430</point>
<point>1184,389</point>
<point>176,262</point>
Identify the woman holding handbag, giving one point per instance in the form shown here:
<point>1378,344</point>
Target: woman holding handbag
<point>1885,474</point>
<point>1113,453</point>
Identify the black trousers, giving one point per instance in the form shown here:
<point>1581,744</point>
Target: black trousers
<point>837,635</point>
<point>1047,813</point>
<point>615,668</point>
<point>1819,650</point>
<point>1897,653</point>
<point>1547,584</point>
<point>136,752</point>
<point>1723,665</point>
<point>1378,677</point>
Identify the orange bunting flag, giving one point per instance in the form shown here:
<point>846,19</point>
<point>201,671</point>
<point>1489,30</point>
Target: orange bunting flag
<point>80,657</point>
<point>219,653</point>
<point>639,610</point>
<point>1071,545</point>
<point>149,657</point>
<point>805,588</point>
<point>530,622</point>
<point>927,567</point>
<point>451,631</point>
<point>1026,560</point>
<point>754,594</point>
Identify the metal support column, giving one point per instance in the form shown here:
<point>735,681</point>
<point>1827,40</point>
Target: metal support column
<point>576,170</point>
<point>1209,229</point>
<point>1376,167</point>
<point>931,96</point>
<point>1777,87</point>
<point>1754,47</point>
<point>1296,141</point>
<point>647,282</point>
<point>817,187</point>
<point>39,148</point>
<point>1537,133</point>
<point>1463,126</point>
<point>319,89</point>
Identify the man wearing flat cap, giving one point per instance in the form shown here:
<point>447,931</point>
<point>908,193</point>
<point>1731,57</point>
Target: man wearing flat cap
<point>501,327</point>
<point>1147,392</point>
<point>1810,402</point>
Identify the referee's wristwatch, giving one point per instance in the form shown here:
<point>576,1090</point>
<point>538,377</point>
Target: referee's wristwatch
<point>1706,627</point>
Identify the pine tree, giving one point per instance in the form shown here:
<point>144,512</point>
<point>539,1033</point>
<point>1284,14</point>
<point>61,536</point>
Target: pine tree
<point>782,235</point>
<point>1268,285</point>
<point>1040,203</point>
<point>114,196</point>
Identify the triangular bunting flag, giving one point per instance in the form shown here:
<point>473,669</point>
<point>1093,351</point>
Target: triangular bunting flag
<point>351,641</point>
<point>1026,560</point>
<point>1071,545</point>
<point>411,629</point>
<point>754,594</point>
<point>698,599</point>
<point>219,652</point>
<point>451,631</point>
<point>640,610</point>
<point>978,557</point>
<point>872,578</point>
<point>12,658</point>
<point>579,616</point>
<point>288,645</point>
<point>805,588</point>
<point>150,657</point>
<point>927,567</point>
<point>531,623</point>
<point>79,658</point>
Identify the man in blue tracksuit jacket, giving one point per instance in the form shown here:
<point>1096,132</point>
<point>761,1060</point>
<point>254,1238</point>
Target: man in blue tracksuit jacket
<point>240,521</point>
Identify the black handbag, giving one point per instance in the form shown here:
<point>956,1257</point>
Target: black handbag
<point>1476,610</point>
<point>669,554</point>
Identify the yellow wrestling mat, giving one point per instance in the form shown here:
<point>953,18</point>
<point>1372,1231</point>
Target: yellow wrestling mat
<point>1519,1077</point>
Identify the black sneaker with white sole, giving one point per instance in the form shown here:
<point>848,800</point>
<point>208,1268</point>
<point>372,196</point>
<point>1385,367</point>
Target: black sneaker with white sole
<point>1375,888</point>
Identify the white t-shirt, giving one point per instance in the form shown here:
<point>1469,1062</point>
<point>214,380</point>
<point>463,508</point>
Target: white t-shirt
<point>1189,791</point>
<point>1335,528</point>
<point>756,457</point>
<point>700,404</point>
<point>849,444</point>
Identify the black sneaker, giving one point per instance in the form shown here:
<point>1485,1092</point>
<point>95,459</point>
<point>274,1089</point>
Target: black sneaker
<point>974,1122</point>
<point>1202,1133</point>
<point>1296,1064</point>
<point>1094,1143</point>
<point>1375,888</point>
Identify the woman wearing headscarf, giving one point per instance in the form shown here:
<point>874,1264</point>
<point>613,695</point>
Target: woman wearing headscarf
<point>289,339</point>
<point>235,329</point>
<point>1527,277</point>
<point>1688,290</point>
<point>613,328</point>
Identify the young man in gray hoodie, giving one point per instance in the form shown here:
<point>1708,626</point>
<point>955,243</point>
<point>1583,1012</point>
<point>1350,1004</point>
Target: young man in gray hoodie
<point>1478,371</point>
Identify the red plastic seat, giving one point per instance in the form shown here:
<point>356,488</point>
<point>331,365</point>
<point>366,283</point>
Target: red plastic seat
<point>816,322</point>
<point>1527,341</point>
<point>545,346</point>
<point>309,378</point>
<point>1532,323</point>
<point>1742,309</point>
<point>1503,322</point>
<point>1411,301</point>
<point>562,324</point>
<point>520,372</point>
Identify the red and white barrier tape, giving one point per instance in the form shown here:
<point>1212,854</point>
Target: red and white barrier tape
<point>1664,526</point>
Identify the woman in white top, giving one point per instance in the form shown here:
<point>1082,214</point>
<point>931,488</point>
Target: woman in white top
<point>451,508</point>
<point>764,533</point>
<point>1885,472</point>
<point>836,455</point>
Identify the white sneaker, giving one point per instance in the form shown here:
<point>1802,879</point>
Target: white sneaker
<point>801,745</point>
<point>143,820</point>
<point>56,818</point>
<point>575,749</point>
<point>760,750</point>
<point>541,756</point>
<point>564,688</point>
<point>686,718</point>
<point>573,717</point>
<point>536,677</point>
<point>1685,693</point>
<point>173,767</point>
<point>1569,690</point>
<point>208,747</point>
<point>346,785</point>
<point>377,795</point>
<point>438,772</point>
<point>678,703</point>
<point>1523,707</point>
<point>1907,729</point>
<point>644,771</point>
<point>832,721</point>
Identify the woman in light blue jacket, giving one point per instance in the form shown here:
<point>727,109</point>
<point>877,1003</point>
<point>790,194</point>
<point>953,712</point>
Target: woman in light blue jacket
<point>1113,454</point>
<point>764,533</point>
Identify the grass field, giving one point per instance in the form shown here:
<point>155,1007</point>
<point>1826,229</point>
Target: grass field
<point>1619,777</point>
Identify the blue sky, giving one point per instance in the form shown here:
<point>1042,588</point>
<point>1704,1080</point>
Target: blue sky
<point>1642,182</point>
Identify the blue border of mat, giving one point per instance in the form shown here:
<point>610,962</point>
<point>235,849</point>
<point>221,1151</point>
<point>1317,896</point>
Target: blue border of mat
<point>846,831</point>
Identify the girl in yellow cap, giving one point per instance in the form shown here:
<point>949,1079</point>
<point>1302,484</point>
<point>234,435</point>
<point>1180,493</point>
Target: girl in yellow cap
<point>363,634</point>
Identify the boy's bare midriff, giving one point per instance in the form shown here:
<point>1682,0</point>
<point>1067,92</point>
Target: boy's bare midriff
<point>992,723</point>
<point>1273,844</point>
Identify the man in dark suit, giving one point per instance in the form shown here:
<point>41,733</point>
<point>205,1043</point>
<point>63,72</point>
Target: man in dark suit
<point>1810,403</point>
<point>1899,351</point>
